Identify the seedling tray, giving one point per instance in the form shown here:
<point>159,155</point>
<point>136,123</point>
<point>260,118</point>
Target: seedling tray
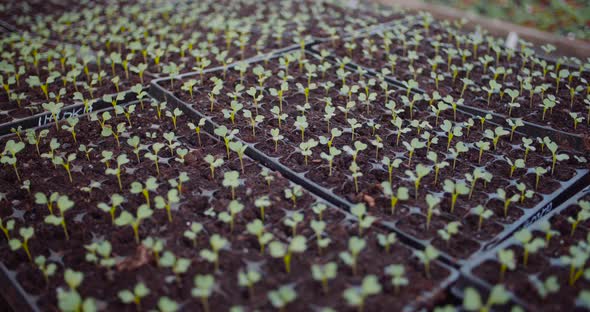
<point>543,206</point>
<point>334,217</point>
<point>565,139</point>
<point>534,302</point>
<point>75,110</point>
<point>426,299</point>
<point>568,138</point>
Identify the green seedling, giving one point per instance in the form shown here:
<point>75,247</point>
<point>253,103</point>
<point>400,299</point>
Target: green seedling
<point>277,249</point>
<point>127,219</point>
<point>15,244</point>
<point>323,273</point>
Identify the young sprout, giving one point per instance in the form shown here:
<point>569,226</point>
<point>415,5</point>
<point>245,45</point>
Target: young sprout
<point>386,241</point>
<point>495,135</point>
<point>71,126</point>
<point>539,171</point>
<point>134,296</point>
<point>421,172</point>
<point>318,228</point>
<point>547,287</point>
<point>507,261</point>
<point>42,199</point>
<point>545,227</point>
<point>301,124</point>
<point>390,165</point>
<point>55,110</point>
<point>333,152</point>
<point>548,105</point>
<point>254,120</point>
<point>483,214</point>
<point>433,156</point>
<point>576,259</point>
<point>582,215</point>
<point>227,136</point>
<point>409,85</point>
<point>402,193</point>
<point>507,200</point>
<point>57,160</point>
<point>231,179</point>
<point>235,207</point>
<point>100,253</point>
<point>217,243</point>
<point>276,137</point>
<point>156,147</point>
<point>35,139</point>
<point>398,276</point>
<point>127,219</point>
<point>350,257</point>
<point>121,160</point>
<point>356,173</point>
<point>305,148</point>
<point>204,285</point>
<point>240,149</point>
<point>174,115</point>
<point>293,220</point>
<point>63,204</point>
<point>530,245</point>
<point>7,228</point>
<point>364,220</point>
<point>248,279</point>
<point>151,185</point>
<point>166,304</point>
<point>189,86</point>
<point>15,244</point>
<point>12,148</point>
<point>452,228</point>
<point>178,265</point>
<point>356,295</point>
<point>197,128</point>
<point>426,256</point>
<point>156,246</point>
<point>451,132</point>
<point>277,249</point>
<point>552,147</point>
<point>293,193</point>
<point>278,115</point>
<point>517,164</point>
<point>472,299</point>
<point>116,133</point>
<point>166,203</point>
<point>231,113</point>
<point>256,228</point>
<point>455,189</point>
<point>70,300</point>
<point>455,152</point>
<point>514,123</point>
<point>194,231</point>
<point>281,297</point>
<point>267,175</point>
<point>324,273</point>
<point>411,147</point>
<point>116,201</point>
<point>576,119</point>
<point>354,124</point>
<point>432,202</point>
<point>47,269</point>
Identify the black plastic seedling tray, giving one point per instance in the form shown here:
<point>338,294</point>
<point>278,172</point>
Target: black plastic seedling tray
<point>573,140</point>
<point>16,297</point>
<point>20,300</point>
<point>75,110</point>
<point>550,201</point>
<point>469,279</point>
<point>162,94</point>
